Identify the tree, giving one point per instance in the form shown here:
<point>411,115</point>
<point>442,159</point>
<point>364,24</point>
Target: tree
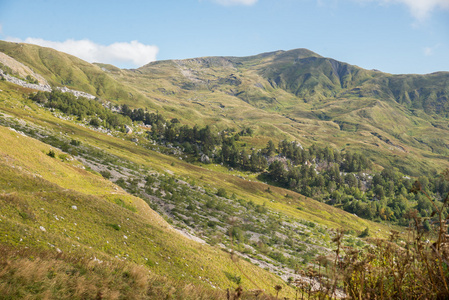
<point>270,149</point>
<point>94,122</point>
<point>277,171</point>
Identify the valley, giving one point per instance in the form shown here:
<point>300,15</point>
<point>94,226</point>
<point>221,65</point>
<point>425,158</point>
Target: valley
<point>258,161</point>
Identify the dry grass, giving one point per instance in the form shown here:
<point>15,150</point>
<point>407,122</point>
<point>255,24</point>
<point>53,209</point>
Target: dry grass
<point>31,274</point>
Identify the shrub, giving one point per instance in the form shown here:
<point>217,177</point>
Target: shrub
<point>75,142</point>
<point>364,233</point>
<point>222,193</point>
<point>51,153</point>
<point>95,122</point>
<point>106,174</point>
<point>114,226</point>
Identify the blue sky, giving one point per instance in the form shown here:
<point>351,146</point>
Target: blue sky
<point>394,36</point>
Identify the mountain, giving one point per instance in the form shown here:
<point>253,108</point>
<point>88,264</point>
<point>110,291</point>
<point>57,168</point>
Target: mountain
<point>149,198</point>
<point>299,95</point>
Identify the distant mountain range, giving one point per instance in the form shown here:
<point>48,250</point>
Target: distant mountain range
<point>295,95</point>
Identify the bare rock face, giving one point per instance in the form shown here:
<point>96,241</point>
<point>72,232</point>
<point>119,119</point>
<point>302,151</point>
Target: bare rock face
<point>128,129</point>
<point>76,93</point>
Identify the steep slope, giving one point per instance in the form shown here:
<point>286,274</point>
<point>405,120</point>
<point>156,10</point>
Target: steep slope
<point>62,206</point>
<point>185,195</point>
<point>395,119</point>
<point>61,69</point>
<point>53,204</point>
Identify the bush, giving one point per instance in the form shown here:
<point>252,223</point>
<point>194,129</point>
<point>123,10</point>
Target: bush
<point>106,174</point>
<point>222,193</point>
<point>364,233</point>
<point>94,122</point>
<point>51,153</point>
<point>114,226</point>
<point>75,142</point>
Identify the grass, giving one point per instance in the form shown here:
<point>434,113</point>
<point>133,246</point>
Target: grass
<point>217,176</point>
<point>33,197</point>
<point>40,190</point>
<point>55,185</point>
<point>42,274</point>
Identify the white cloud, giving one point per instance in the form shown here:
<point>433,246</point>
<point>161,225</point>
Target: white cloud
<point>132,53</point>
<point>236,2</point>
<point>420,9</point>
<point>429,51</point>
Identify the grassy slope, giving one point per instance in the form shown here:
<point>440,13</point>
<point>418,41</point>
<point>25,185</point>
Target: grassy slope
<point>61,69</point>
<point>209,175</point>
<point>38,190</point>
<point>43,189</point>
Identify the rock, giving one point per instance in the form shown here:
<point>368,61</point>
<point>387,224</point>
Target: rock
<point>205,159</point>
<point>76,93</point>
<point>45,88</point>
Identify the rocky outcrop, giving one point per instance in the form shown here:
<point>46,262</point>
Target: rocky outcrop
<point>15,80</point>
<point>43,87</point>
<point>20,69</point>
<point>76,93</point>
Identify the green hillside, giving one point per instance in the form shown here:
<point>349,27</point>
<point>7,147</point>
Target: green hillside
<point>398,120</point>
<point>190,177</point>
<point>55,210</point>
<point>61,69</point>
<point>295,95</point>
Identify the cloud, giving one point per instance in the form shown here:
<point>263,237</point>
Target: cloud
<point>429,51</point>
<point>132,53</point>
<point>420,9</point>
<point>236,2</point>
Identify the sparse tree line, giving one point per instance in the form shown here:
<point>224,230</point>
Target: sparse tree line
<point>323,173</point>
<point>83,108</point>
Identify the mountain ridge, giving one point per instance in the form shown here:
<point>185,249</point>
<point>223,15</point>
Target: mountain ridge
<point>273,89</point>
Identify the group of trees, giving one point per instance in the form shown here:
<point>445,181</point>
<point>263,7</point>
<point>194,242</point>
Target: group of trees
<point>339,178</point>
<point>83,108</point>
<point>344,180</point>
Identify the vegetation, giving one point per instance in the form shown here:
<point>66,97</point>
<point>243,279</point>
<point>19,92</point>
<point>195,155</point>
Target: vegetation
<point>70,219</point>
<point>82,108</point>
<point>231,152</point>
<point>347,181</point>
<point>403,267</point>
